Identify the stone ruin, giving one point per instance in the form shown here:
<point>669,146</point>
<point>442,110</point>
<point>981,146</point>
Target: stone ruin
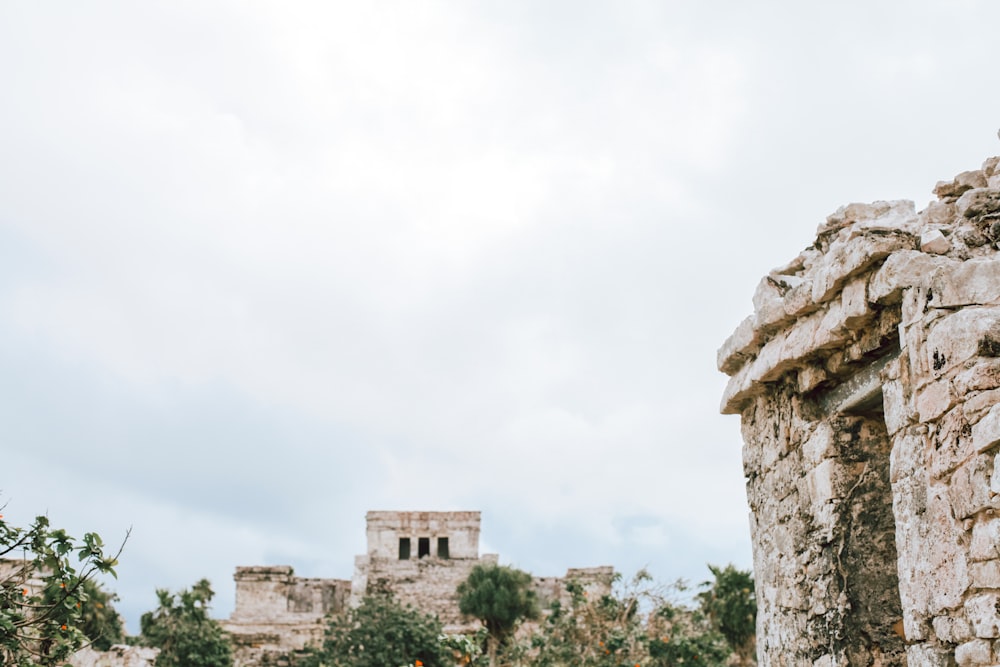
<point>868,383</point>
<point>420,557</point>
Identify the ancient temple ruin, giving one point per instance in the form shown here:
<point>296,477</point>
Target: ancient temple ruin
<point>420,557</point>
<point>868,383</point>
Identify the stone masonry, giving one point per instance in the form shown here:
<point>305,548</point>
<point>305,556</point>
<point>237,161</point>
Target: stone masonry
<point>868,383</point>
<point>420,557</point>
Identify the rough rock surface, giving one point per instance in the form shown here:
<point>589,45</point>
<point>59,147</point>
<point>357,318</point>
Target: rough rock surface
<point>868,383</point>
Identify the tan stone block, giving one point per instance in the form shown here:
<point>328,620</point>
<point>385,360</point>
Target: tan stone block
<point>985,544</point>
<point>908,456</point>
<point>896,407</point>
<point>810,377</point>
<point>902,270</point>
<point>923,655</point>
<point>973,282</point>
<point>969,490</point>
<point>985,574</point>
<point>978,404</point>
<point>952,630</point>
<point>829,480</point>
<point>737,348</point>
<point>965,181</point>
<point>978,202</point>
<point>983,375</point>
<point>955,338</point>
<point>845,260</point>
<point>854,302</point>
<point>821,444</point>
<point>768,304</point>
<point>798,300</point>
<point>934,399</point>
<point>983,612</point>
<point>990,166</point>
<point>934,242</point>
<point>974,653</point>
<point>995,478</point>
<point>943,559</point>
<point>950,443</point>
<point>986,432</point>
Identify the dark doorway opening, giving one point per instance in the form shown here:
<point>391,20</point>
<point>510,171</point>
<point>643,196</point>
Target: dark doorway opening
<point>442,547</point>
<point>423,547</point>
<point>404,548</point>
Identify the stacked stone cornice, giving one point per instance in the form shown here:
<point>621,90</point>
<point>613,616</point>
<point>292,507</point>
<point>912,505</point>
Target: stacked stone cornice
<point>868,381</point>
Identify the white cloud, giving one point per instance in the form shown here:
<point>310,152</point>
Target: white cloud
<point>486,250</point>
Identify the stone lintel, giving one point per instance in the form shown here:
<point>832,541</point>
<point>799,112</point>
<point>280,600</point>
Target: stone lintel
<point>860,392</point>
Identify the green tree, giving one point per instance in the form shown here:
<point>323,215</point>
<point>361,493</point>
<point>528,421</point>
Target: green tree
<point>730,604</point>
<point>45,591</point>
<point>500,597</point>
<point>380,632</point>
<point>99,621</point>
<point>181,628</point>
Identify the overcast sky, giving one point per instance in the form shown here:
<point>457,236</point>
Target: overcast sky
<point>267,266</point>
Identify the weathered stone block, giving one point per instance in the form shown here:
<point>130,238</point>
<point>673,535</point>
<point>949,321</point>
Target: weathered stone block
<point>985,543</point>
<point>969,491</point>
<point>942,556</point>
<point>955,338</point>
<point>734,352</point>
<point>985,574</point>
<point>896,406</point>
<point>908,457</point>
<point>829,480</point>
<point>974,653</point>
<point>983,611</point>
<point>952,630</point>
<point>977,405</point>
<point>983,375</point>
<point>995,479</point>
<point>922,655</point>
<point>978,202</point>
<point>854,303</point>
<point>810,377</point>
<point>821,444</point>
<point>934,242</point>
<point>951,443</point>
<point>902,270</point>
<point>965,181</point>
<point>934,400</point>
<point>986,432</point>
<point>976,281</point>
<point>845,260</point>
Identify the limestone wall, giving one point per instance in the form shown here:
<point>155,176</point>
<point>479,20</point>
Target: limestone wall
<point>868,380</point>
<point>460,529</point>
<point>277,613</point>
<point>428,582</point>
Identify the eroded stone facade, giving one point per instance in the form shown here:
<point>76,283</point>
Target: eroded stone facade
<point>420,557</point>
<point>278,613</point>
<point>868,382</point>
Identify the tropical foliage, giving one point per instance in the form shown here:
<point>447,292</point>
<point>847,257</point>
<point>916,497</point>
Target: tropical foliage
<point>380,632</point>
<point>500,597</point>
<point>181,628</point>
<point>48,602</point>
